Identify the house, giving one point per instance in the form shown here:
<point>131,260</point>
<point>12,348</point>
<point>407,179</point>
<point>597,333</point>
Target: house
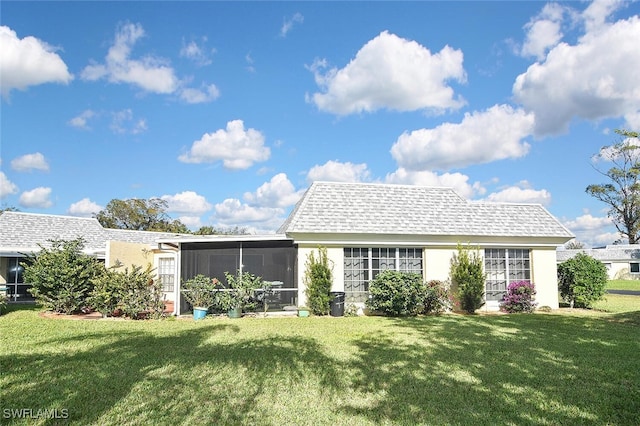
<point>622,261</point>
<point>366,228</point>
<point>22,234</point>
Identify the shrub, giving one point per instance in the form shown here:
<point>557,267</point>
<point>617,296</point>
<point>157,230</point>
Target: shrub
<point>105,296</point>
<point>467,275</point>
<point>318,279</point>
<point>437,297</point>
<point>519,298</point>
<point>241,291</point>
<point>61,276</point>
<point>396,293</point>
<point>582,280</point>
<point>199,291</point>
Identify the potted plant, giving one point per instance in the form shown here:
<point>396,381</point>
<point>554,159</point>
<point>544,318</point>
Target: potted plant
<point>303,311</point>
<point>239,294</point>
<point>200,291</point>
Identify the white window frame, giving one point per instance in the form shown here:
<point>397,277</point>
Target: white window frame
<point>500,271</point>
<point>171,272</point>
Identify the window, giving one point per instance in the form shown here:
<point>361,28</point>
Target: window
<point>634,267</point>
<point>166,273</point>
<point>504,266</point>
<point>16,287</point>
<point>363,264</point>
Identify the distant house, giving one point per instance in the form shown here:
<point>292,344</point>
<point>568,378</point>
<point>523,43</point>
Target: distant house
<point>368,228</point>
<point>22,234</point>
<point>622,261</point>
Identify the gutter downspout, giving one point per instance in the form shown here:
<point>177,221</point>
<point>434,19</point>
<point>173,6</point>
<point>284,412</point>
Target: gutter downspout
<point>176,288</point>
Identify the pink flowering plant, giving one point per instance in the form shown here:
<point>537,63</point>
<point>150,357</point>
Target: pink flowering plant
<point>519,298</point>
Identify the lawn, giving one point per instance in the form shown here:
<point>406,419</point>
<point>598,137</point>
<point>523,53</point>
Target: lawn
<point>623,285</point>
<point>554,368</point>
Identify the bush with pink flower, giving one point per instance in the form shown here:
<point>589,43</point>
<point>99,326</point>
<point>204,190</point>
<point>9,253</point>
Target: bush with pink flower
<point>519,298</point>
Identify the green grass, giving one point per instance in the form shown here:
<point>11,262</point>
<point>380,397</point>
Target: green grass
<point>553,368</point>
<point>623,285</point>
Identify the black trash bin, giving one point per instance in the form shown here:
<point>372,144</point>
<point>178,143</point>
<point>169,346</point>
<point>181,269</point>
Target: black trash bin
<point>337,303</point>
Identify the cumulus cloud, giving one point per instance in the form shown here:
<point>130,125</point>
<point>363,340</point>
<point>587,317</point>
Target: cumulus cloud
<point>84,208</point>
<point>457,181</point>
<point>6,186</point>
<point>543,32</point>
<point>38,198</point>
<point>30,162</point>
<point>149,73</point>
<point>206,93</point>
<point>197,53</point>
<point>336,171</point>
<point>393,73</point>
<point>187,202</point>
<point>28,62</point>
<point>288,24</point>
<point>481,137</point>
<point>233,212</point>
<point>236,147</point>
<point>278,192</point>
<point>593,230</point>
<point>82,121</point>
<point>192,222</point>
<point>521,193</point>
<point>570,83</point>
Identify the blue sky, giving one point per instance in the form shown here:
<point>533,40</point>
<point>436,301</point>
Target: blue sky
<point>228,111</point>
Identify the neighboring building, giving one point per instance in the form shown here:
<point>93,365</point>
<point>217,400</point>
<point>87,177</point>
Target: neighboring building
<point>622,261</point>
<point>368,228</point>
<point>22,234</point>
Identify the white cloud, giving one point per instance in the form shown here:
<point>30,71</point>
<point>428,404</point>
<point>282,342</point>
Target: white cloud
<point>206,93</point>
<point>192,222</point>
<point>6,186</point>
<point>521,193</point>
<point>29,162</point>
<point>289,23</point>
<point>124,122</point>
<point>481,137</point>
<point>457,181</point>
<point>278,192</point>
<point>150,73</point>
<point>233,212</point>
<point>596,14</point>
<point>82,121</point>
<point>236,147</point>
<point>84,208</point>
<point>592,230</point>
<point>199,54</point>
<point>594,79</point>
<point>335,171</point>
<point>390,72</point>
<point>187,202</point>
<point>28,62</point>
<point>632,120</point>
<point>544,31</point>
<point>38,197</point>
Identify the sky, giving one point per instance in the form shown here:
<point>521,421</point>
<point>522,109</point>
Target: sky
<point>228,111</point>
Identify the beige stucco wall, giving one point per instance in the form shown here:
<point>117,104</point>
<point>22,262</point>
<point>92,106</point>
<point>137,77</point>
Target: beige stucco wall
<point>436,264</point>
<point>128,254</point>
<point>3,270</point>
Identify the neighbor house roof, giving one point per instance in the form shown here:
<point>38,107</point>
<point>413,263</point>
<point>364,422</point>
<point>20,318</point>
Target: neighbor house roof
<point>610,253</point>
<point>23,232</point>
<point>365,208</point>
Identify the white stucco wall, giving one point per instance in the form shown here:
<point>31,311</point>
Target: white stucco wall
<point>545,277</point>
<point>335,256</point>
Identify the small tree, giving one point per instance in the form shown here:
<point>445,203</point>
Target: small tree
<point>61,276</point>
<point>397,293</point>
<point>467,276</point>
<point>318,279</point>
<point>582,280</point>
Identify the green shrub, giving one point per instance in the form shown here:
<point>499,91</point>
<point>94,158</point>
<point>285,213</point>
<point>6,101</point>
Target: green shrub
<point>582,280</point>
<point>467,275</point>
<point>141,295</point>
<point>200,291</point>
<point>105,296</point>
<point>241,291</point>
<point>318,279</point>
<point>437,297</point>
<point>61,276</point>
<point>396,293</point>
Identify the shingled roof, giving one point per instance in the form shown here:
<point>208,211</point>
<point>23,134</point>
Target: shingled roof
<point>365,208</point>
<point>22,232</point>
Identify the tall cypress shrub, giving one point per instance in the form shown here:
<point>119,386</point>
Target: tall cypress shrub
<point>318,279</point>
<point>467,276</point>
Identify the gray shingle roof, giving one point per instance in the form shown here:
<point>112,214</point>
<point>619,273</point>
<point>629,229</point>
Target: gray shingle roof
<point>364,208</point>
<point>24,231</point>
<point>607,254</point>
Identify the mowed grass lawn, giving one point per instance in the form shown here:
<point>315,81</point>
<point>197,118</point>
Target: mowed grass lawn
<point>540,369</point>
